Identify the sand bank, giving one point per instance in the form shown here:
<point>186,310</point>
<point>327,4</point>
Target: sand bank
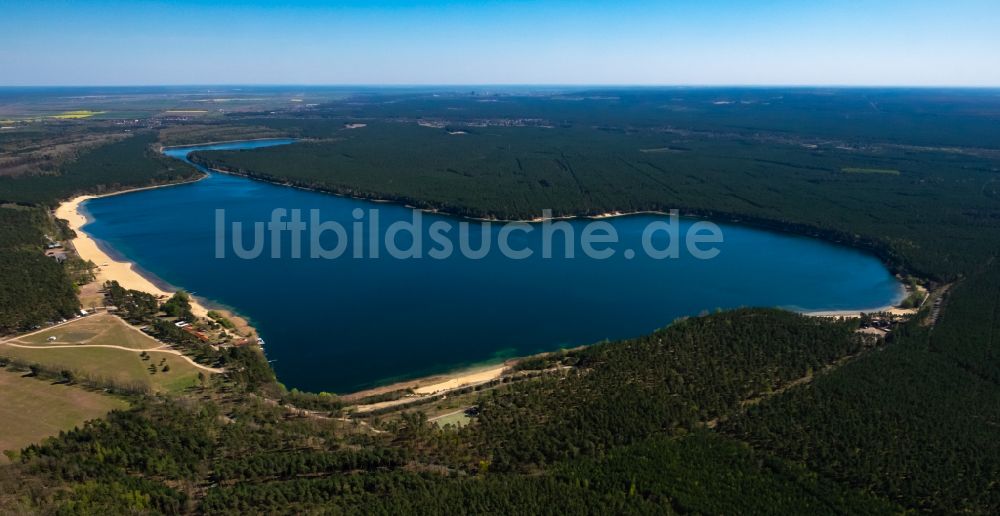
<point>109,269</point>
<point>896,309</point>
<point>429,386</point>
<point>462,379</point>
<point>902,312</point>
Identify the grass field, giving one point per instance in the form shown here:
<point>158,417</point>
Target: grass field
<point>121,367</point>
<point>458,419</point>
<point>113,366</point>
<point>34,409</point>
<point>103,329</point>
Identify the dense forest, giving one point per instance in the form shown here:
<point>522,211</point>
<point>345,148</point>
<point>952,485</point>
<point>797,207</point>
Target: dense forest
<point>131,162</point>
<point>34,288</point>
<point>935,203</point>
<point>695,370</point>
<point>750,410</point>
<point>37,288</point>
<point>233,453</point>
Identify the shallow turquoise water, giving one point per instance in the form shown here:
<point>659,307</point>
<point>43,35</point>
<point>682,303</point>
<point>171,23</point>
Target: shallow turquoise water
<point>345,324</point>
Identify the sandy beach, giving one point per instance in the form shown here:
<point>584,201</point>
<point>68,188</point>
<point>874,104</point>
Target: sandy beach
<point>430,385</point>
<point>442,384</point>
<point>894,310</point>
<point>462,379</point>
<point>890,309</point>
<point>109,269</point>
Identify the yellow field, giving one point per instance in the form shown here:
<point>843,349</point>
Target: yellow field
<point>34,409</point>
<point>66,115</point>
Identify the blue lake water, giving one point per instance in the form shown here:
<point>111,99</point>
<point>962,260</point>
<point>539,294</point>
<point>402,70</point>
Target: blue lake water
<point>349,323</point>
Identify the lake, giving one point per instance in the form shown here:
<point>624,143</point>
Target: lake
<point>343,324</point>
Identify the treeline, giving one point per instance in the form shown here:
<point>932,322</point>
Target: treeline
<point>134,306</point>
<point>970,332</point>
<point>402,492</point>
<point>777,182</point>
<point>675,379</point>
<point>256,457</point>
<point>72,376</point>
<point>143,308</point>
<point>913,422</point>
<point>716,478</point>
<point>916,422</point>
<point>34,288</point>
<point>117,464</point>
<point>268,466</point>
<point>246,366</point>
<point>908,425</point>
<point>128,163</point>
<point>704,473</point>
<point>126,468</point>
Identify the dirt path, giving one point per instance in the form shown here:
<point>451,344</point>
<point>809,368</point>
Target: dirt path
<point>313,414</point>
<point>162,349</point>
<point>939,298</point>
<point>442,416</point>
<point>47,328</point>
<point>749,402</point>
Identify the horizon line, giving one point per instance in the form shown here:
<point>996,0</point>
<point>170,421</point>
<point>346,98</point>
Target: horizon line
<point>509,85</point>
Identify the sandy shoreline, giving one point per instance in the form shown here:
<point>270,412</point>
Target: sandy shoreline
<point>465,379</point>
<point>109,269</point>
<point>436,383</point>
<point>129,276</point>
<point>894,310</point>
<point>429,386</point>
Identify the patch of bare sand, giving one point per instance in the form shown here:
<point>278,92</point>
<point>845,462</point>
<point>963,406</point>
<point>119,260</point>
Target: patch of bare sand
<point>430,386</point>
<point>109,269</point>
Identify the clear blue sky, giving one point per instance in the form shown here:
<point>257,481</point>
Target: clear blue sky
<point>106,42</point>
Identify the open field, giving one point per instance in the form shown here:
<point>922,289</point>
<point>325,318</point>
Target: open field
<point>709,415</point>
<point>200,133</point>
<point>111,365</point>
<point>34,409</point>
<point>104,349</point>
<point>100,329</point>
<point>457,419</point>
<point>44,152</point>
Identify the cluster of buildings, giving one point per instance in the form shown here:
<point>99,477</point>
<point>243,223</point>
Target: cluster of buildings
<point>55,250</point>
